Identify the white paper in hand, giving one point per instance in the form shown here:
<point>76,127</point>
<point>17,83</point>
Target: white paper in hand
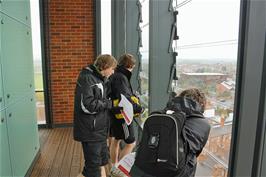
<point>127,111</point>
<point>126,163</point>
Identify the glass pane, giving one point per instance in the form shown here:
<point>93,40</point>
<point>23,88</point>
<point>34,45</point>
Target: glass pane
<point>106,45</point>
<point>37,61</point>
<point>40,107</point>
<point>207,58</point>
<point>144,50</point>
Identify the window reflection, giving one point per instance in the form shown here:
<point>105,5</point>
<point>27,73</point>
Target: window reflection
<point>144,50</point>
<point>37,61</point>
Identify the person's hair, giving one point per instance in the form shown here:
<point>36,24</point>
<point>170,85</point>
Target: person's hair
<point>196,95</point>
<point>105,61</point>
<point>127,61</point>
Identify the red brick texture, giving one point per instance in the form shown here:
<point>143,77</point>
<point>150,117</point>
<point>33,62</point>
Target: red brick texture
<point>71,44</point>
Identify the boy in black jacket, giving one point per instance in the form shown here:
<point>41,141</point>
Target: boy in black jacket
<point>195,131</point>
<point>120,84</point>
<point>91,114</point>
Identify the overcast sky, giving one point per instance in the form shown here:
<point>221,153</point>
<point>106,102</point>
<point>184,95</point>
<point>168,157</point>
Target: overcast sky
<point>208,29</point>
<point>208,21</point>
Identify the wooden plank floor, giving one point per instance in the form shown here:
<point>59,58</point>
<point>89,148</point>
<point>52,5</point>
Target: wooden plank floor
<point>61,156</point>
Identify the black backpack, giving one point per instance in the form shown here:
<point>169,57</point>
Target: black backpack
<point>162,149</point>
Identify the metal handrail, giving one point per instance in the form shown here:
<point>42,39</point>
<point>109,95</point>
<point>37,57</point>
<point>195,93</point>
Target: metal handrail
<point>217,159</point>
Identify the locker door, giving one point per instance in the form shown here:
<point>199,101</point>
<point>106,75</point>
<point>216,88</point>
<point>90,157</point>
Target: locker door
<point>5,167</point>
<point>17,9</point>
<point>17,60</point>
<point>17,74</point>
<point>23,134</point>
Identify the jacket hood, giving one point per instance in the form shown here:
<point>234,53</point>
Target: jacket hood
<point>124,71</point>
<point>95,71</point>
<point>184,104</point>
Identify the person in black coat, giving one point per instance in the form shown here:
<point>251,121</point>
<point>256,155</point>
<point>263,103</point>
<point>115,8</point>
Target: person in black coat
<point>196,128</point>
<point>120,84</point>
<point>195,131</point>
<point>91,114</point>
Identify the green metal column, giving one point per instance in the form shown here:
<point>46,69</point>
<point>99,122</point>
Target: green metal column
<point>132,37</point>
<point>125,35</point>
<point>161,20</point>
<point>118,27</point>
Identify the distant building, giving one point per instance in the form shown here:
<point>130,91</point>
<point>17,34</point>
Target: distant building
<point>209,113</point>
<point>205,77</point>
<point>228,85</point>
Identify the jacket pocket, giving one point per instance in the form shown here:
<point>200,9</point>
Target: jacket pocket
<point>99,123</point>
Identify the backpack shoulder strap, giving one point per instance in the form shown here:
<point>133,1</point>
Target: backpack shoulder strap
<point>182,118</point>
<point>158,112</point>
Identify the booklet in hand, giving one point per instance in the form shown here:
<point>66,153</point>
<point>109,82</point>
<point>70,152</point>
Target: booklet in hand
<point>127,111</point>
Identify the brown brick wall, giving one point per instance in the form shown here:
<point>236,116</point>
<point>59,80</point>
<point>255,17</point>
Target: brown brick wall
<point>71,43</point>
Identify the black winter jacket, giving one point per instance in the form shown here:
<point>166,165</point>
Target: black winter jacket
<point>120,84</point>
<point>91,106</point>
<point>196,131</point>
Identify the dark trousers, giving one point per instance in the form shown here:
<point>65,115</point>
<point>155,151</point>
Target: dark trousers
<point>96,154</point>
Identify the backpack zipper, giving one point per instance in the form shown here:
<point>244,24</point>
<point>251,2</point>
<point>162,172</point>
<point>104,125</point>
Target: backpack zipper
<point>167,115</point>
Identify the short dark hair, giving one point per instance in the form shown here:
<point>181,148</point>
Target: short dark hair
<point>127,60</point>
<point>105,61</point>
<point>196,95</point>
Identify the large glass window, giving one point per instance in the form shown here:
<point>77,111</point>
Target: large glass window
<point>207,58</point>
<point>37,59</point>
<point>144,50</point>
<point>106,46</point>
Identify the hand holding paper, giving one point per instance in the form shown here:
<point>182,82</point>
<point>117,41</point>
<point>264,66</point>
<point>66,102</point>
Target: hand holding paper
<point>116,109</point>
<point>127,111</point>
